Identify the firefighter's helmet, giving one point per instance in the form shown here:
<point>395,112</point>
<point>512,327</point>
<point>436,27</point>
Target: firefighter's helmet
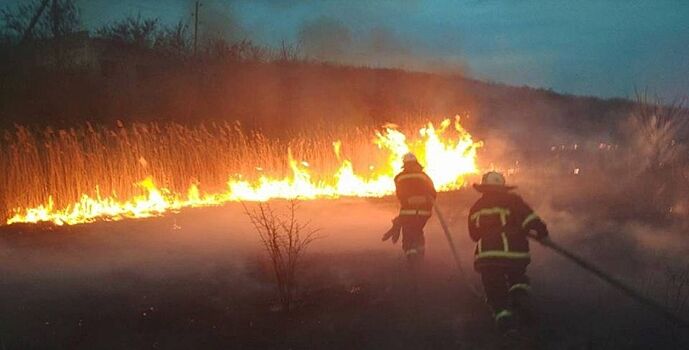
<point>409,158</point>
<point>492,181</point>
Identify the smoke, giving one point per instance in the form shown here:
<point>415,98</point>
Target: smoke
<point>181,243</point>
<point>383,42</point>
<point>217,20</point>
<point>330,39</point>
<point>325,39</point>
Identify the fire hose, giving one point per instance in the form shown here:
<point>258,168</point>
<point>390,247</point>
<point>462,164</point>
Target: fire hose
<point>458,262</point>
<point>629,291</point>
<point>624,288</point>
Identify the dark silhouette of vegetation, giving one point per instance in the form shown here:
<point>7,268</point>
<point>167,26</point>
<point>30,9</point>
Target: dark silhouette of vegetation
<point>140,69</point>
<point>677,289</point>
<point>245,50</point>
<point>136,31</point>
<point>53,19</point>
<point>285,239</point>
<point>174,40</point>
<point>656,134</point>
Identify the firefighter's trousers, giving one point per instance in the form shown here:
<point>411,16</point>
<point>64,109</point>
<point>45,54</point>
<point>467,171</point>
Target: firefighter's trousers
<point>505,285</point>
<point>413,242</point>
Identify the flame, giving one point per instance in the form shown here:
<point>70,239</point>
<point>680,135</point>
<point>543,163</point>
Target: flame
<point>448,160</point>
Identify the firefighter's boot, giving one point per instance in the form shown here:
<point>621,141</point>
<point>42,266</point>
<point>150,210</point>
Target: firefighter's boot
<point>414,257</point>
<point>505,321</point>
<point>521,304</point>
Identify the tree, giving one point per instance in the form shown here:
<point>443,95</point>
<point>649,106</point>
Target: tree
<point>40,19</point>
<point>239,51</point>
<point>173,40</point>
<point>64,18</point>
<point>136,31</point>
<point>285,239</point>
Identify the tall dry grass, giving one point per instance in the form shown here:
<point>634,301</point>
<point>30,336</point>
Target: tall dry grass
<point>109,161</point>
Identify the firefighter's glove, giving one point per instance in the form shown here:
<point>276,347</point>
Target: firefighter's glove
<point>542,232</point>
<point>539,230</point>
<point>394,232</point>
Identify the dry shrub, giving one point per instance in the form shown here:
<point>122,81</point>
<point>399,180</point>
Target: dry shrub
<point>658,132</point>
<point>285,239</point>
<point>677,289</point>
<point>657,162</point>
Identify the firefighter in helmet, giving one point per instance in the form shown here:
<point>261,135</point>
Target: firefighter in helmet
<point>416,193</point>
<point>500,222</point>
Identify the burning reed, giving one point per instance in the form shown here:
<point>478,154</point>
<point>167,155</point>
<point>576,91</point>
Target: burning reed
<point>138,170</point>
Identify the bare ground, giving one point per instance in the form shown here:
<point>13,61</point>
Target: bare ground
<point>144,284</point>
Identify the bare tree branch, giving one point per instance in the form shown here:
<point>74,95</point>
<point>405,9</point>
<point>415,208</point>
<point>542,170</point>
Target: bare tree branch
<point>285,239</point>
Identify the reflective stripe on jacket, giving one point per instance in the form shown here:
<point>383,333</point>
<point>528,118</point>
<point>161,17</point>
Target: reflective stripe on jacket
<point>499,223</point>
<point>415,191</point>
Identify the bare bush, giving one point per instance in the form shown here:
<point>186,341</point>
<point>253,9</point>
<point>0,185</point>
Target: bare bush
<point>136,31</point>
<point>677,289</point>
<point>656,136</point>
<point>174,40</point>
<point>288,53</point>
<point>221,50</point>
<point>285,239</point>
<point>657,131</point>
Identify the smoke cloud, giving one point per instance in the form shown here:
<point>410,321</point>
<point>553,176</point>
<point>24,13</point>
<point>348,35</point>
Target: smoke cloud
<point>329,39</point>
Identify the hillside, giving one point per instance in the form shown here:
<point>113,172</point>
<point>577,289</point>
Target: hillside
<point>107,82</point>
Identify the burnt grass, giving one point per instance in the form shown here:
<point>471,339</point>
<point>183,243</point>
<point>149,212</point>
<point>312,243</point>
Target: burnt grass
<point>140,284</point>
<point>209,305</point>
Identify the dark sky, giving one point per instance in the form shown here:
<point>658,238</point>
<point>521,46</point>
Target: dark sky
<point>602,47</point>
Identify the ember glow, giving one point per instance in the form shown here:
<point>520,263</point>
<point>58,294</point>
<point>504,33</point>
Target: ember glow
<point>449,154</point>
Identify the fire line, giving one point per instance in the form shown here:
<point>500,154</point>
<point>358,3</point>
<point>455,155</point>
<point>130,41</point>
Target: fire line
<point>447,159</point>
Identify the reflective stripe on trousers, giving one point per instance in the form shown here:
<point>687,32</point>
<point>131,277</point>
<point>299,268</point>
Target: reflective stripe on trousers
<point>503,254</point>
<point>420,212</point>
<point>520,286</point>
<point>502,314</point>
<point>415,251</point>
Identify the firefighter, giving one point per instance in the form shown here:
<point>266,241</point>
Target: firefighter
<point>416,193</point>
<point>499,223</point>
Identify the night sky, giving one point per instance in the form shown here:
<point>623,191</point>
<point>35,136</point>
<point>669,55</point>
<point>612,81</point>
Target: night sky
<point>604,48</point>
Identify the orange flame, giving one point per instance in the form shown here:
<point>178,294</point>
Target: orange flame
<point>448,160</point>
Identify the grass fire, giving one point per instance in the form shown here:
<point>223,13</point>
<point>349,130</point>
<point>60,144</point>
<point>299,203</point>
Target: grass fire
<point>81,175</point>
<point>240,174</point>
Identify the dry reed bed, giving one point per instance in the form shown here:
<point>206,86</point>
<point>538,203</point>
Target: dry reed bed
<point>67,163</point>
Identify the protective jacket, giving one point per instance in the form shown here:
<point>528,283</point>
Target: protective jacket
<point>499,223</point>
<point>415,191</point>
